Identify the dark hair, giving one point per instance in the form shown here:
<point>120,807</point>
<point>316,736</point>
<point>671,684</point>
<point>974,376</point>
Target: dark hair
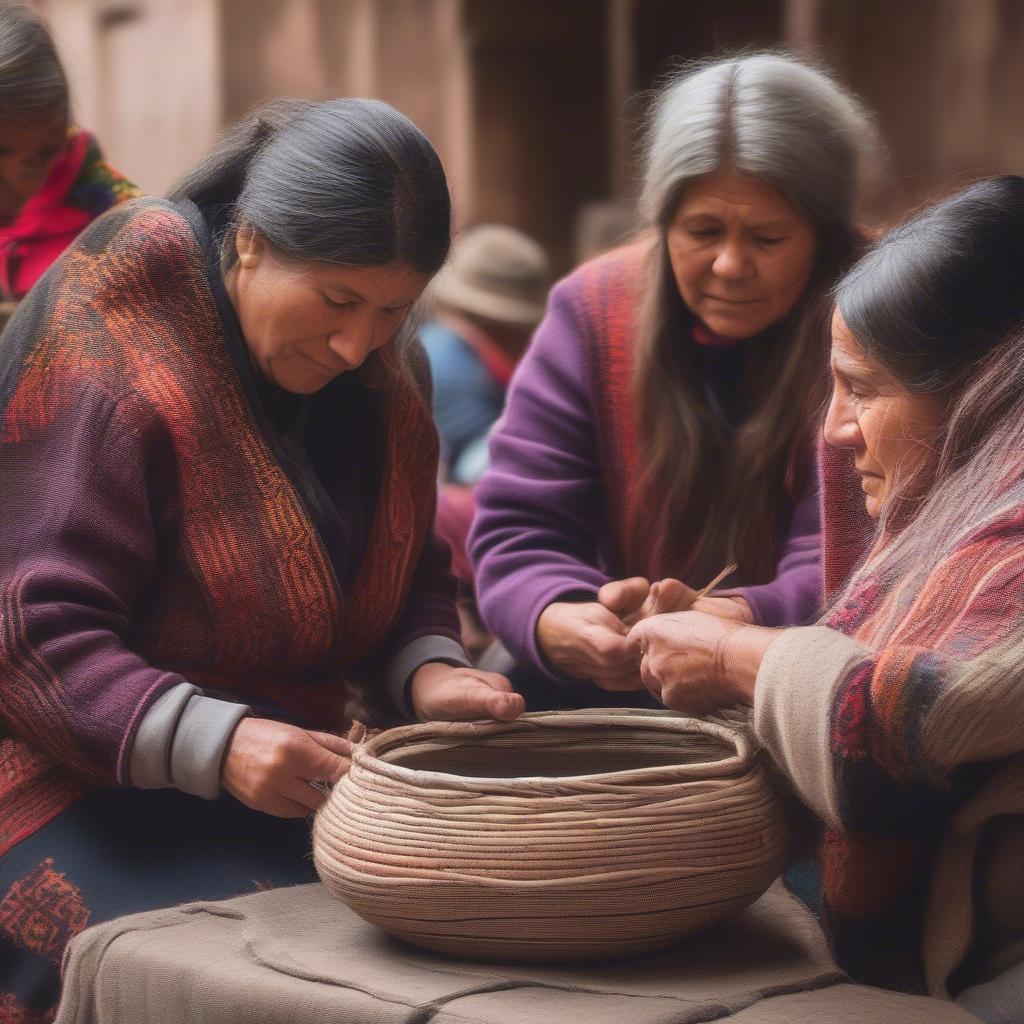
<point>939,303</point>
<point>350,182</point>
<point>32,81</point>
<point>940,291</point>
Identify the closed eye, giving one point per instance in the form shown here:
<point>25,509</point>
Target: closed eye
<point>857,393</point>
<point>342,304</point>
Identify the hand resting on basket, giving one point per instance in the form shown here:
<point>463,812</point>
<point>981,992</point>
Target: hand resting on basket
<point>272,767</point>
<point>445,693</point>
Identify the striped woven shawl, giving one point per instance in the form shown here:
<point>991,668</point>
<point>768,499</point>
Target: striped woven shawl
<point>925,711</point>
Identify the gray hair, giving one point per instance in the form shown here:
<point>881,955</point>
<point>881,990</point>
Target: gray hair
<point>770,116</point>
<point>32,81</point>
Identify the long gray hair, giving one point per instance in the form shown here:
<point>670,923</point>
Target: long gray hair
<point>769,116</point>
<point>786,122</point>
<point>32,81</point>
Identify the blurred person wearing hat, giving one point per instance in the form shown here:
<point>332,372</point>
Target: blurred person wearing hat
<point>489,300</point>
<point>487,303</point>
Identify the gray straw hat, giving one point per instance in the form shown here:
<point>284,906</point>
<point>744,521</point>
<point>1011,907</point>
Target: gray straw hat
<point>498,273</point>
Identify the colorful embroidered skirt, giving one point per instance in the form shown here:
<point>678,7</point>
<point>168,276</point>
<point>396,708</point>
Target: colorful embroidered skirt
<point>122,851</point>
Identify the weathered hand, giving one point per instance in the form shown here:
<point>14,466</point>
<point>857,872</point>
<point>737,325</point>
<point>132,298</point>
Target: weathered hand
<point>444,693</point>
<point>587,641</point>
<point>695,662</point>
<point>270,766</point>
<point>731,607</point>
<point>625,599</point>
<point>634,600</point>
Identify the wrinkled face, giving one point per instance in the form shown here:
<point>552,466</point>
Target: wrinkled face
<point>27,152</point>
<point>740,252</point>
<point>891,430</point>
<point>306,324</point>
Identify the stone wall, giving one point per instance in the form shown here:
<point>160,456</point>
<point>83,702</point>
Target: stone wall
<point>534,105</point>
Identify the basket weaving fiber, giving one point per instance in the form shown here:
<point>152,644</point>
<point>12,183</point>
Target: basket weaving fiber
<point>559,836</point>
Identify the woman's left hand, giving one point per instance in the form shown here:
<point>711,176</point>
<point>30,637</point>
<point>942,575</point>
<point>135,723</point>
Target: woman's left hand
<point>448,694</point>
<point>695,662</point>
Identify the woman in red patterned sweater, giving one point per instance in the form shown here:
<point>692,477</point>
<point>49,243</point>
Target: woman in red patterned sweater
<point>218,468</point>
<point>897,718</point>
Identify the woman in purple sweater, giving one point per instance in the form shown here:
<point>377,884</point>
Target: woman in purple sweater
<point>661,424</point>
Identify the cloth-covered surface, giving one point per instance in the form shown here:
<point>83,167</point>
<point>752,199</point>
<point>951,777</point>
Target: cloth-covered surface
<point>298,955</point>
<point>80,186</point>
<point>557,512</point>
<point>156,531</point>
<point>122,851</point>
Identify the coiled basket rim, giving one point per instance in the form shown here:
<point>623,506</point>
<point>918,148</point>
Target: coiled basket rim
<point>371,754</point>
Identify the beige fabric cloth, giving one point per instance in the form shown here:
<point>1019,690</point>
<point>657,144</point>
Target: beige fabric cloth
<point>796,684</point>
<point>954,918</point>
<point>297,954</point>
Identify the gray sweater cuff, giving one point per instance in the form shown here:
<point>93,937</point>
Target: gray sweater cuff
<point>399,671</point>
<point>181,742</point>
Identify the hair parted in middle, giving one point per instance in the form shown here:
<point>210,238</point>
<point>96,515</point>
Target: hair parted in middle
<point>784,121</point>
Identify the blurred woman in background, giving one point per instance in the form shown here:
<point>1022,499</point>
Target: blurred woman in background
<point>661,424</point>
<point>53,179</point>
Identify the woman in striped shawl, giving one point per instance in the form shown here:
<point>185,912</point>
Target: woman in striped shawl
<point>897,717</point>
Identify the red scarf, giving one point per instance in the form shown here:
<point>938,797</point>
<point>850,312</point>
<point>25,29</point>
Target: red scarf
<point>50,221</point>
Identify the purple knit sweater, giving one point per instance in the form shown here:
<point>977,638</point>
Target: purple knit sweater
<point>537,534</point>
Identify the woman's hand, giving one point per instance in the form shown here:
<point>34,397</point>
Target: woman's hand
<point>732,607</point>
<point>588,641</point>
<point>445,693</point>
<point>634,600</point>
<point>271,766</point>
<point>695,662</point>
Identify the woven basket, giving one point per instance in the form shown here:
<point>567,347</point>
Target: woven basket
<point>560,836</point>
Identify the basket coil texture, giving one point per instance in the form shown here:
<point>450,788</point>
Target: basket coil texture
<point>560,836</point>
